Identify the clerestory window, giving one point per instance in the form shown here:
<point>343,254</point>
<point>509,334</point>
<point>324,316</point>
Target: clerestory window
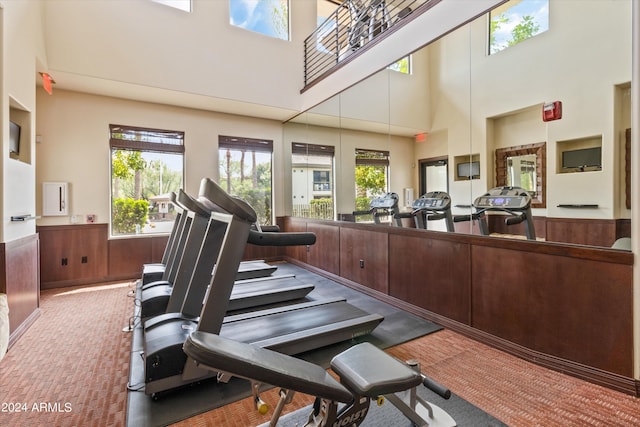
<point>516,21</point>
<point>269,17</point>
<point>184,5</point>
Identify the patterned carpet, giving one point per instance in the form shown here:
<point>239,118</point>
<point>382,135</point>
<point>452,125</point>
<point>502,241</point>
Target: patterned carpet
<point>71,368</point>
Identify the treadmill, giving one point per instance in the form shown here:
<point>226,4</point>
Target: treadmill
<point>177,246</point>
<point>184,296</point>
<point>291,329</point>
<point>431,206</point>
<point>385,205</point>
<point>514,201</point>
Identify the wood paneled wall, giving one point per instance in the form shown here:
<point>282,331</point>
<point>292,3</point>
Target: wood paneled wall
<point>593,232</point>
<point>566,306</point>
<point>80,254</point>
<point>20,281</point>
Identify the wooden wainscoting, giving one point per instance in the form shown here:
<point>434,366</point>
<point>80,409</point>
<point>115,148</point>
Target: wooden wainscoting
<point>127,255</point>
<point>431,274</point>
<point>564,306</point>
<point>580,231</point>
<point>594,232</point>
<point>72,254</point>
<point>80,254</point>
<point>19,280</point>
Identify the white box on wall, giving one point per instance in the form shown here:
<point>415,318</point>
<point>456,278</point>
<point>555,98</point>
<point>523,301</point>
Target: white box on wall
<point>54,199</point>
<point>408,196</point>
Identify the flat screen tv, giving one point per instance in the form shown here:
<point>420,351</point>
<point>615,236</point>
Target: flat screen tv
<point>14,138</point>
<point>583,158</point>
<point>469,170</point>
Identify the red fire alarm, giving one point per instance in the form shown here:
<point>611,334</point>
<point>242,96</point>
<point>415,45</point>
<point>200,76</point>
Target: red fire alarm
<point>551,111</point>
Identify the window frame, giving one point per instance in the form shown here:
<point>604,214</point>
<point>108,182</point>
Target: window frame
<point>255,27</point>
<point>302,148</point>
<point>492,46</point>
<point>250,144</point>
<point>153,141</point>
<point>378,158</point>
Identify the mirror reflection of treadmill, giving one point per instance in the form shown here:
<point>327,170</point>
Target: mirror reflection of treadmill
<point>291,329</point>
<point>383,206</point>
<point>433,206</point>
<point>514,201</point>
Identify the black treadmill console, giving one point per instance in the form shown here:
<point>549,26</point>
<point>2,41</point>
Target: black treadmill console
<point>437,200</point>
<point>432,206</point>
<point>510,198</point>
<point>386,201</point>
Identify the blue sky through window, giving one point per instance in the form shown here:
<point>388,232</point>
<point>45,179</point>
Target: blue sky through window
<point>269,17</point>
<point>514,12</point>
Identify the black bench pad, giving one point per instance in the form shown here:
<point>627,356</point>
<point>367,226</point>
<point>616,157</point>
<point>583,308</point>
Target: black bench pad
<point>371,372</point>
<point>263,365</point>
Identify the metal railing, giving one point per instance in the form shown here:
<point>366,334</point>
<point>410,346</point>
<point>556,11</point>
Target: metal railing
<point>314,210</point>
<point>353,25</point>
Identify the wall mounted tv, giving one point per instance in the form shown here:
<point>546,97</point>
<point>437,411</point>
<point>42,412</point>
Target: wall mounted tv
<point>469,170</point>
<point>14,138</point>
<point>583,158</point>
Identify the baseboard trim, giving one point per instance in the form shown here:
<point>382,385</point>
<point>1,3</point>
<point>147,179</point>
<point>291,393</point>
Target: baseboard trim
<point>24,326</point>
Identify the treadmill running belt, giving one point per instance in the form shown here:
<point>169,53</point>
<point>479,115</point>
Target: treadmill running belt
<point>291,322</point>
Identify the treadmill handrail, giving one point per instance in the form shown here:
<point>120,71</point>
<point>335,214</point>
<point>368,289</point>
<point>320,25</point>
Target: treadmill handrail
<point>281,238</point>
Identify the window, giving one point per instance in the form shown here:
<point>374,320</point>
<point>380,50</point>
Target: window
<point>146,166</point>
<point>521,172</point>
<point>516,21</point>
<point>184,5</point>
<point>402,65</point>
<point>312,180</point>
<point>269,17</point>
<point>245,172</point>
<point>372,169</point>
<point>321,180</point>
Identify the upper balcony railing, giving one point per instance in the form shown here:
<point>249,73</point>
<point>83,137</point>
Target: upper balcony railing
<point>353,25</point>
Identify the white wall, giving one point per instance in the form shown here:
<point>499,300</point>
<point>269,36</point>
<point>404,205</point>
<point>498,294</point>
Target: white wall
<point>74,129</point>
<point>22,51</point>
<point>151,45</point>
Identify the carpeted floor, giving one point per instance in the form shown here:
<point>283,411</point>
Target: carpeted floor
<point>71,367</point>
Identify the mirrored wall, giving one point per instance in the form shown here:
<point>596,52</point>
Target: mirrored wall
<point>547,112</point>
